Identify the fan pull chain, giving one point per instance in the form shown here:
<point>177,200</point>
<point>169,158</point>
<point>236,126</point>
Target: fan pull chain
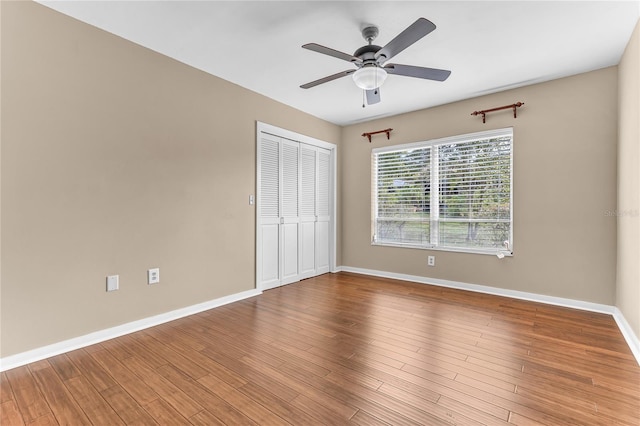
<point>363,98</point>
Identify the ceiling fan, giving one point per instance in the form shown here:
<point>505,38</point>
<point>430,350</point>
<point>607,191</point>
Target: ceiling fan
<point>370,59</point>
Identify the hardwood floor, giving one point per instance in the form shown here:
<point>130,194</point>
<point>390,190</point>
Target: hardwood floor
<point>344,349</point>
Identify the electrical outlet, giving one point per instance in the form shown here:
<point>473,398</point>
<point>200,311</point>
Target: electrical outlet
<point>431,261</point>
<point>153,276</point>
<point>113,282</point>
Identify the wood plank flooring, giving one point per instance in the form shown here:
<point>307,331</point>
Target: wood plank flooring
<point>344,349</point>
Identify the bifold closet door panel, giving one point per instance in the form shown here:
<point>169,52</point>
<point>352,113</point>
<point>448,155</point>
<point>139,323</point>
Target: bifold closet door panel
<point>323,211</point>
<point>308,159</point>
<point>269,230</point>
<point>290,218</point>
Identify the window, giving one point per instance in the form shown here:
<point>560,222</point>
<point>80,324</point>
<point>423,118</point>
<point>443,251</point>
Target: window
<point>450,194</point>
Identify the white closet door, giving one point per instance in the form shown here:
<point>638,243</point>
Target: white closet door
<point>269,250</point>
<point>290,220</point>
<point>323,211</point>
<point>308,211</point>
<point>294,205</point>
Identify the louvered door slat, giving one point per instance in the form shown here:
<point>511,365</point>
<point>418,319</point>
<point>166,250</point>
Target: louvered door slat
<point>290,179</point>
<point>324,157</point>
<point>308,172</point>
<point>270,178</point>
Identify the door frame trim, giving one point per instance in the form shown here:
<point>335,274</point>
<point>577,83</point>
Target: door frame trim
<point>333,174</point>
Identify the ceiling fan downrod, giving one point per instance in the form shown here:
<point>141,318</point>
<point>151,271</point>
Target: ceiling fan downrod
<point>370,33</point>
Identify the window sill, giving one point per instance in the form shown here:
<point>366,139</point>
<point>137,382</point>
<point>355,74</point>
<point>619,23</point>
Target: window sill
<point>490,252</point>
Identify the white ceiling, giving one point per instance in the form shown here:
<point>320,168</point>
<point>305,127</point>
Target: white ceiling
<point>488,46</point>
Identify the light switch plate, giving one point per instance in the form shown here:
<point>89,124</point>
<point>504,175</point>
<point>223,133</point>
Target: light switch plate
<point>113,282</point>
<point>153,276</point>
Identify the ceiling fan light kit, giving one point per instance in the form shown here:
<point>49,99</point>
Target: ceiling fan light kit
<point>369,77</point>
<point>370,60</point>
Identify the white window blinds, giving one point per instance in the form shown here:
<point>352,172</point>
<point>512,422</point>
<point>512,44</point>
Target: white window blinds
<point>403,190</point>
<point>452,193</point>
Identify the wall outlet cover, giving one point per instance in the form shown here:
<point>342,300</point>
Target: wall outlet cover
<point>113,282</point>
<point>153,276</point>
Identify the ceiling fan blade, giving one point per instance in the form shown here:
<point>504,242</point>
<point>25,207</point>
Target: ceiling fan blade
<point>373,96</point>
<point>418,72</point>
<point>327,79</point>
<point>413,33</point>
<point>332,52</point>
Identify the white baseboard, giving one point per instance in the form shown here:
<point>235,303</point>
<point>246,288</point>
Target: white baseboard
<point>38,354</point>
<point>630,337</point>
<point>534,297</point>
<point>627,332</point>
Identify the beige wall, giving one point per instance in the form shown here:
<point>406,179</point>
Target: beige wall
<point>628,278</point>
<point>116,159</point>
<point>564,183</point>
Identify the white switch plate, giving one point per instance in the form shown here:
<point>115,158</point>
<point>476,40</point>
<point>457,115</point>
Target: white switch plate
<point>113,282</point>
<point>153,276</point>
<point>431,261</point>
<point>251,200</point>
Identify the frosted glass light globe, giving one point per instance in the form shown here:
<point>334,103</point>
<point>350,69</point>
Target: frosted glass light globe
<point>369,77</point>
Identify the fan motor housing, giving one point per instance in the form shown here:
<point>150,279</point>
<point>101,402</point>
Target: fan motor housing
<point>367,53</point>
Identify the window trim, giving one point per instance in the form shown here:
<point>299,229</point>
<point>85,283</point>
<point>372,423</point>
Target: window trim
<point>468,137</point>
